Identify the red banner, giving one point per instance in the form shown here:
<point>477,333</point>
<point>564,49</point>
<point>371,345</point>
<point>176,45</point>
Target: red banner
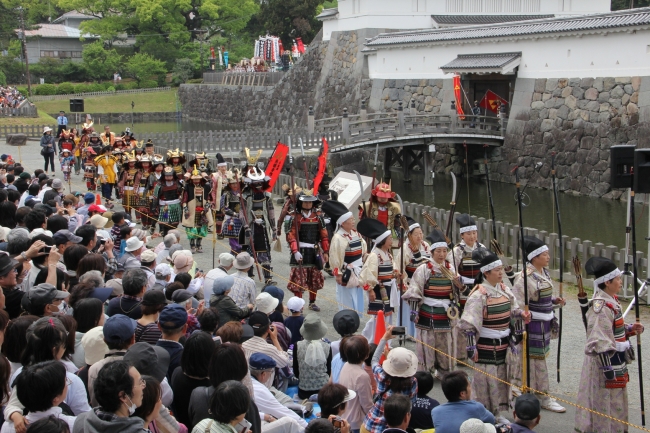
<point>322,166</point>
<point>489,101</point>
<point>459,97</point>
<point>276,163</point>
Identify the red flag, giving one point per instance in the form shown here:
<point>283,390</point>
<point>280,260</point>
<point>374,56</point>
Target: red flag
<point>489,101</point>
<point>458,96</point>
<point>322,166</point>
<point>276,163</point>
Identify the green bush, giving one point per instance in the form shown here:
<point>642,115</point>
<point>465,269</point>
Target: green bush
<point>95,87</point>
<point>148,84</point>
<point>195,81</point>
<point>81,88</point>
<point>65,89</point>
<point>3,79</point>
<point>130,86</point>
<point>45,89</point>
<point>120,87</point>
<point>22,90</point>
<point>110,89</point>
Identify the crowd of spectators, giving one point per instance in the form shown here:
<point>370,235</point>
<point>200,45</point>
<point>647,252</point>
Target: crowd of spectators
<point>10,97</point>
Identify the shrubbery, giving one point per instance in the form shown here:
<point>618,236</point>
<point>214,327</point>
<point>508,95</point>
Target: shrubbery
<point>148,84</point>
<point>45,89</point>
<point>65,89</point>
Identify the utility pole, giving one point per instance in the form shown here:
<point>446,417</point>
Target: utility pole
<point>22,29</point>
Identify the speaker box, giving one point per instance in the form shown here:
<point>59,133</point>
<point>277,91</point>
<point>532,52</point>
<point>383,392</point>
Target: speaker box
<point>76,105</point>
<point>642,171</point>
<point>621,165</point>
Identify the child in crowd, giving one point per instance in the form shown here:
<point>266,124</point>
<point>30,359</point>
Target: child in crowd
<point>118,223</point>
<point>67,161</point>
<point>294,322</point>
<point>421,411</point>
<point>368,368</point>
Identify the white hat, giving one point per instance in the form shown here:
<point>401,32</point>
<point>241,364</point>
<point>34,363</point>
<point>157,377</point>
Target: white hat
<point>295,303</point>
<point>401,362</point>
<point>133,243</point>
<point>162,270</point>
<point>244,261</point>
<point>147,256</point>
<point>40,231</point>
<point>95,348</point>
<point>129,223</point>
<point>266,303</point>
<point>4,231</point>
<point>46,129</point>
<point>226,259</point>
<point>475,425</point>
<point>98,221</point>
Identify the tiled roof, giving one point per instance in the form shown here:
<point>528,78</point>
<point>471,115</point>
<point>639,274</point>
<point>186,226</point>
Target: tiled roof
<point>484,62</point>
<point>55,31</point>
<point>460,20</point>
<point>328,13</point>
<point>595,22</point>
<point>73,14</point>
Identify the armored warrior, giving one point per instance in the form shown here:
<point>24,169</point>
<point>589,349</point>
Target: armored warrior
<point>603,384</point>
<point>175,160</point>
<point>95,142</point>
<point>382,207</point>
<point>67,161</point>
<point>196,206</point>
<point>119,144</point>
<point>154,178</point>
<point>127,182</point>
<point>148,149</point>
<point>142,199</point>
<point>218,180</point>
<point>324,191</point>
<point>346,254</point>
<point>416,252</point>
<point>202,164</point>
<point>309,244</point>
<point>433,301</point>
<point>66,141</point>
<point>486,321</point>
<point>258,217</point>
<point>129,139</point>
<point>90,169</point>
<point>107,174</point>
<point>231,205</point>
<point>287,208</point>
<point>167,197</point>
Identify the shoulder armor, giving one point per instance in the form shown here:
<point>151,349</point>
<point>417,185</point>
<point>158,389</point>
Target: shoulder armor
<point>598,305</point>
<point>530,272</point>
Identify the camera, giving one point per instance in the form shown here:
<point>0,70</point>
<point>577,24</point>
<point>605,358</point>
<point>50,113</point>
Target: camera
<point>46,249</point>
<point>398,330</point>
<point>503,428</point>
<point>337,422</point>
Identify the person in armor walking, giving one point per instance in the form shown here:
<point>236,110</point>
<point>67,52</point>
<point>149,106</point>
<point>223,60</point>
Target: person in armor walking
<point>603,383</point>
<point>382,207</point>
<point>168,194</point>
<point>347,251</point>
<point>287,208</point>
<point>153,180</point>
<point>202,163</point>
<point>142,201</point>
<point>416,252</point>
<point>486,322</point>
<point>107,174</point>
<point>176,160</point>
<point>231,205</point>
<point>258,217</point>
<point>90,169</point>
<point>127,182</point>
<point>309,245</point>
<point>433,300</point>
<point>196,207</point>
<point>219,180</point>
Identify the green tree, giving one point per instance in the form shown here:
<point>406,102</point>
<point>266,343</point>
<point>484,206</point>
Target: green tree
<point>3,79</point>
<point>290,19</point>
<point>100,63</point>
<point>184,70</point>
<point>142,67</point>
<point>618,5</point>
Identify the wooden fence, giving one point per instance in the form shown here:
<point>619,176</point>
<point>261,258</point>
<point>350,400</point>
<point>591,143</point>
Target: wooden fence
<point>78,95</point>
<point>27,110</point>
<point>32,131</point>
<point>243,78</point>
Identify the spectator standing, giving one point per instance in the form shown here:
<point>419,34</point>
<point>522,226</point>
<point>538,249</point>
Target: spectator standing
<point>172,323</point>
<point>48,148</point>
<point>147,329</point>
<point>134,283</point>
<point>163,274</point>
<point>227,408</point>
<point>397,411</point>
<point>224,304</point>
<point>148,264</point>
<point>257,344</point>
<point>168,241</point>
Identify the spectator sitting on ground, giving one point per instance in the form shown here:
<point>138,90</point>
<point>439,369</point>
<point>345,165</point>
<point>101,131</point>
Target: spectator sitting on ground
<point>312,357</point>
<point>147,329</point>
<point>163,274</point>
<point>448,417</point>
<point>161,246</point>
<point>267,304</point>
<point>89,200</point>
<point>243,291</point>
<point>184,299</point>
<point>225,265</point>
<point>333,399</point>
<point>171,288</point>
<point>130,259</point>
<point>474,425</point>
<point>148,264</point>
<point>261,328</point>
<point>526,413</point>
<point>173,324</point>
<point>231,332</point>
<point>209,322</point>
<point>397,411</point>
<point>168,241</point>
<point>224,304</point>
<point>280,312</point>
<point>134,283</point>
<point>421,411</point>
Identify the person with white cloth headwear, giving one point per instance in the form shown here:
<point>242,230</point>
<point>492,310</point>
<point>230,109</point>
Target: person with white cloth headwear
<point>347,251</point>
<point>312,361</point>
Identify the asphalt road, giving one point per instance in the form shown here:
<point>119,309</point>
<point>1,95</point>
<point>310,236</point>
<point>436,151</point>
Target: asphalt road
<point>573,330</point>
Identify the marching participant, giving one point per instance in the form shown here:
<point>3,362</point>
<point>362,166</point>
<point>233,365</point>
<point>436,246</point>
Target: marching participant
<point>90,170</point>
<point>154,178</point>
<point>176,159</point>
<point>127,182</point>
<point>219,181</point>
<point>167,198</point>
<point>107,136</point>
<point>202,163</point>
<point>148,149</point>
<point>416,252</point>
<point>142,201</point>
<point>543,326</point>
<point>231,205</point>
<point>433,301</point>
<point>107,174</point>
<point>382,207</point>
<point>309,244</point>
<point>95,142</point>
<point>287,208</point>
<point>486,321</point>
<point>346,254</point>
<point>603,384</point>
<point>67,161</point>
<point>196,206</point>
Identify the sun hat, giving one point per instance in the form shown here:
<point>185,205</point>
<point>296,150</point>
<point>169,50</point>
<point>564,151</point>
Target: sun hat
<point>147,256</point>
<point>243,261</point>
<point>295,304</point>
<point>266,303</point>
<point>98,221</point>
<point>313,328</point>
<point>133,244</point>
<point>351,395</point>
<point>183,261</point>
<point>47,129</point>
<point>95,348</point>
<point>400,362</point>
<point>475,425</point>
<point>108,215</point>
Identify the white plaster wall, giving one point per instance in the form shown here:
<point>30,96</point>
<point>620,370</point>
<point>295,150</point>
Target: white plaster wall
<point>617,54</point>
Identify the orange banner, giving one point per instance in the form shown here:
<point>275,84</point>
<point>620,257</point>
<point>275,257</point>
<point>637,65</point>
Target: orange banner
<point>459,97</point>
<point>276,163</point>
<point>322,166</point>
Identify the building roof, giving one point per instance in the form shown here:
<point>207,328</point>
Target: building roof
<point>328,14</point>
<point>74,15</point>
<point>461,20</point>
<point>546,27</point>
<point>484,63</point>
<point>55,31</point>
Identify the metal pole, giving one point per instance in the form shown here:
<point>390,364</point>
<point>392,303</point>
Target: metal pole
<point>24,41</point>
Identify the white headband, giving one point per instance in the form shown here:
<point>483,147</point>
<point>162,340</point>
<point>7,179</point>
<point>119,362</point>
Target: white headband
<point>537,252</point>
<point>222,164</point>
<point>488,268</point>
<point>382,236</point>
<point>615,273</point>
<point>468,229</point>
<point>439,245</point>
<point>413,227</point>
<point>343,218</point>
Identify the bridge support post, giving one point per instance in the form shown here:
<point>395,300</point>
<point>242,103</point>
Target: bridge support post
<point>454,117</point>
<point>427,166</point>
<point>310,120</point>
<point>400,118</point>
<point>363,113</point>
<point>406,162</point>
<point>345,125</point>
<point>388,160</point>
<point>413,109</point>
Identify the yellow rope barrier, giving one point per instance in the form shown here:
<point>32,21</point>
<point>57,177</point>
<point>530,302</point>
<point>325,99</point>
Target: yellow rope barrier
<point>523,389</point>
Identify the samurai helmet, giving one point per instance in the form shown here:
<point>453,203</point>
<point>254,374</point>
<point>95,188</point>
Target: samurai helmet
<point>174,153</point>
<point>65,133</point>
<point>94,134</point>
<point>255,174</point>
<point>157,160</point>
<point>289,191</point>
<point>118,152</point>
<point>168,171</point>
<point>131,156</point>
<point>307,195</point>
<point>383,190</point>
<point>88,123</point>
<point>149,143</point>
<point>144,158</point>
<point>139,144</point>
<point>233,176</point>
<point>252,160</point>
<point>200,155</point>
<point>196,174</point>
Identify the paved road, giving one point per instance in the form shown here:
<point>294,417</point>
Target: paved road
<point>572,345</point>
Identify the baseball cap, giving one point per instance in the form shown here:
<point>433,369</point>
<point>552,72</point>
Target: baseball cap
<point>25,175</point>
<point>527,407</point>
<point>6,263</point>
<point>44,293</point>
<point>95,348</point>
<point>148,359</point>
<point>57,184</point>
<point>173,316</point>
<point>295,303</point>
<point>258,320</point>
<point>147,256</point>
<point>274,291</point>
<point>64,236</point>
<point>116,286</point>
<point>153,298</point>
<point>94,208</point>
<point>181,296</point>
<point>89,198</point>
<point>119,328</point>
<point>260,362</point>
<point>162,270</point>
<point>226,259</point>
<point>101,293</point>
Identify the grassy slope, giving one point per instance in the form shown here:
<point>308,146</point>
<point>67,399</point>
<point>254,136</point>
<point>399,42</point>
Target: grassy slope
<point>120,103</point>
<point>42,119</point>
